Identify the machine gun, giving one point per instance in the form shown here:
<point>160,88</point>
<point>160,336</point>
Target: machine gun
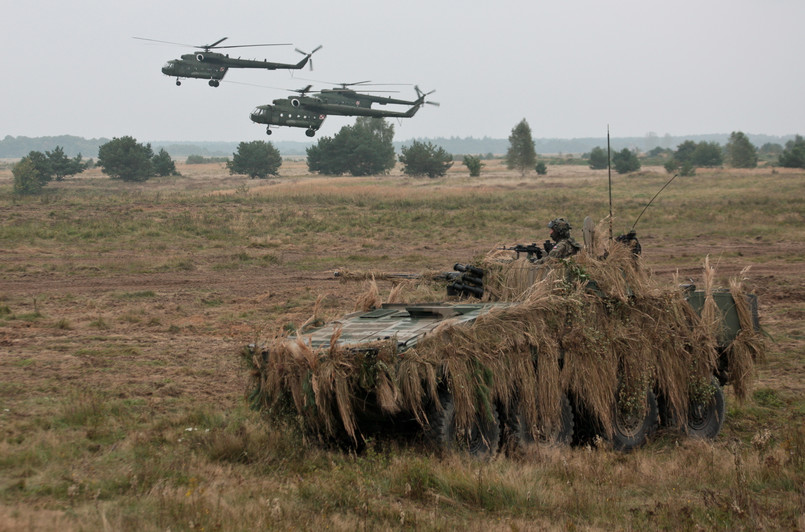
<point>467,281</point>
<point>533,251</point>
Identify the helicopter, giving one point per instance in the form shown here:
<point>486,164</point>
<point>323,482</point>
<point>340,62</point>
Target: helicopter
<point>211,65</point>
<point>310,111</point>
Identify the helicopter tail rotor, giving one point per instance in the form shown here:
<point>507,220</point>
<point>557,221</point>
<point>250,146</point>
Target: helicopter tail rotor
<point>309,55</point>
<point>421,96</point>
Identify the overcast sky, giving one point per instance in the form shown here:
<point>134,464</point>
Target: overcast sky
<point>570,68</point>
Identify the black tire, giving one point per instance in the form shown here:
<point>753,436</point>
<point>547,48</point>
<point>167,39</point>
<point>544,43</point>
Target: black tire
<point>631,431</point>
<point>705,419</point>
<point>480,441</point>
<point>561,435</point>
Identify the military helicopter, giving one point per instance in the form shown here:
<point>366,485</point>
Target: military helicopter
<point>207,64</point>
<point>310,111</point>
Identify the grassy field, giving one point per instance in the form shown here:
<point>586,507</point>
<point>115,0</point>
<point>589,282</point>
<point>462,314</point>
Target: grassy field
<point>124,308</point>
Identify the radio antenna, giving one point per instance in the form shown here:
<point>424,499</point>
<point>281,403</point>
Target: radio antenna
<point>652,200</point>
<point>609,174</point>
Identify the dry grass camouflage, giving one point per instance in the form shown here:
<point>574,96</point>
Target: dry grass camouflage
<point>595,327</point>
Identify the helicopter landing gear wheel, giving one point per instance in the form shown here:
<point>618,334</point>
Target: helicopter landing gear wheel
<point>214,83</point>
<point>268,131</point>
<point>310,132</point>
<point>178,83</point>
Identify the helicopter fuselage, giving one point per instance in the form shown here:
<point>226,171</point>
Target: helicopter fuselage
<point>213,66</point>
<point>310,111</point>
<point>283,113</point>
<point>182,68</point>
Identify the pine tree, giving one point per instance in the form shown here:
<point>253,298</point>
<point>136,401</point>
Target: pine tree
<point>521,154</point>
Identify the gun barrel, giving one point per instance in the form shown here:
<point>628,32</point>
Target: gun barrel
<point>466,268</point>
<point>466,289</point>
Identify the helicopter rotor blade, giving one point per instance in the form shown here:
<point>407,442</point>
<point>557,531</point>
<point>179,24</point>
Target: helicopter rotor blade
<point>253,45</point>
<point>303,90</point>
<point>213,45</point>
<point>166,42</point>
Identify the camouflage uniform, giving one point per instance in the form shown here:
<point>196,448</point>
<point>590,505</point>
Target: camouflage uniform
<point>565,245</point>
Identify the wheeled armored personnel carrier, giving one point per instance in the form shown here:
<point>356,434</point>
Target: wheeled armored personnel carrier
<point>551,353</point>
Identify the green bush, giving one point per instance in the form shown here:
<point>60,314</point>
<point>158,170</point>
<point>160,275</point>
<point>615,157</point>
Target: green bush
<point>598,158</point>
<point>125,159</point>
<point>256,159</point>
<point>163,164</point>
<point>473,164</point>
<point>424,158</point>
<point>365,148</point>
<point>27,180</point>
<point>63,166</point>
<point>625,161</point>
<point>541,168</point>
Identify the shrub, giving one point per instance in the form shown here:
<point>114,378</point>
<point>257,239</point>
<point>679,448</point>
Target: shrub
<point>424,158</point>
<point>63,166</point>
<point>27,180</point>
<point>473,164</point>
<point>365,148</point>
<point>598,158</point>
<point>125,159</point>
<point>625,161</point>
<point>541,168</point>
<point>163,164</point>
<point>256,159</point>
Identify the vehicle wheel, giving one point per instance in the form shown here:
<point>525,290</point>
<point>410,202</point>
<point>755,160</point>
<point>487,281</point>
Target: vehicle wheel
<point>178,83</point>
<point>481,440</point>
<point>705,419</point>
<point>268,131</point>
<point>630,429</point>
<point>310,132</point>
<point>562,434</point>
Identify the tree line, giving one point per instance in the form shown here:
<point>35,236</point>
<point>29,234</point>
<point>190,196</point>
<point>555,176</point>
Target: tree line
<point>366,148</point>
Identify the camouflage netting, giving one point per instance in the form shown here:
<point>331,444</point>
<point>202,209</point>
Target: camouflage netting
<point>594,328</point>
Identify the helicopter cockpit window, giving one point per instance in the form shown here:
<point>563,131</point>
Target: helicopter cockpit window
<point>169,66</point>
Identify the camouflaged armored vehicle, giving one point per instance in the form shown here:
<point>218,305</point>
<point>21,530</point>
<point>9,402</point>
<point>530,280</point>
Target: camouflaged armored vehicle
<point>582,347</point>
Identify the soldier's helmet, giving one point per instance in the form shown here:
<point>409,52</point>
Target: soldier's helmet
<point>560,227</point>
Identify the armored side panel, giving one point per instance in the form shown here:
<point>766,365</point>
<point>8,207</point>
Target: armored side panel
<point>406,323</point>
<point>726,305</point>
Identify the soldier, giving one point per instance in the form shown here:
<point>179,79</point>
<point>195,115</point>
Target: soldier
<point>565,245</point>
